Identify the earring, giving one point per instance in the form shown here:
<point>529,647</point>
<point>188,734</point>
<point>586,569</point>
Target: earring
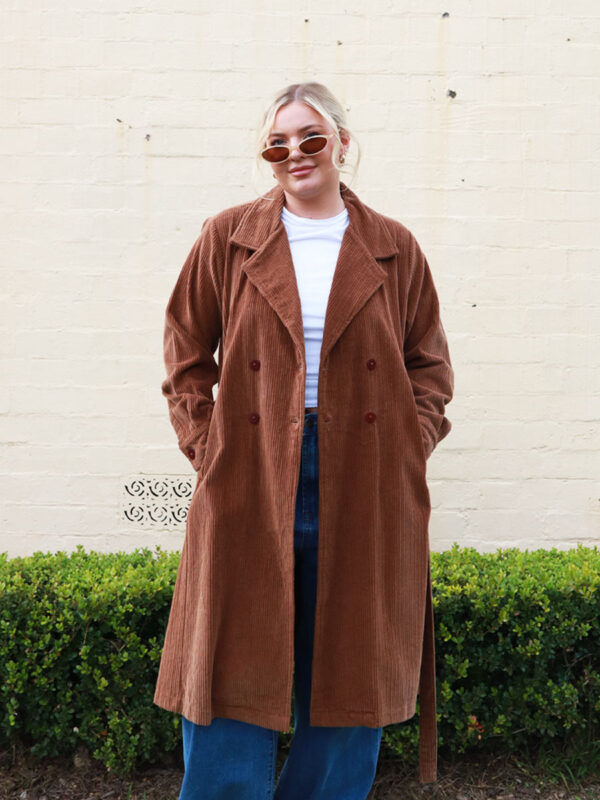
<point>342,158</point>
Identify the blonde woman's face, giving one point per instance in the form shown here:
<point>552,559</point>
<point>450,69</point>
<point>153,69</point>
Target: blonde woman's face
<point>303,176</point>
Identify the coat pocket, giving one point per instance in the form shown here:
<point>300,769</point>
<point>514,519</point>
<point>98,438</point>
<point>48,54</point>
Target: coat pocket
<point>416,422</point>
<point>205,447</point>
<point>200,473</point>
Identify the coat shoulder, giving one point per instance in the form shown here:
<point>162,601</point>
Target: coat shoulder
<point>225,221</point>
<point>400,234</point>
<point>411,260</point>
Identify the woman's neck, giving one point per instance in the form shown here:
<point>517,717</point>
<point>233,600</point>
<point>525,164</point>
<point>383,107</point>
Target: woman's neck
<point>316,207</point>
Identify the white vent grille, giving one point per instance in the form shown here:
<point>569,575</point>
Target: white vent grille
<point>152,501</point>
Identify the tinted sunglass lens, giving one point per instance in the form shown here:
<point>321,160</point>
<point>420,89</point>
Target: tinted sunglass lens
<point>313,144</point>
<point>275,154</point>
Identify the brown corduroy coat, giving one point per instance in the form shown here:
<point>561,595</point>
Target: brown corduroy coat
<point>384,379</point>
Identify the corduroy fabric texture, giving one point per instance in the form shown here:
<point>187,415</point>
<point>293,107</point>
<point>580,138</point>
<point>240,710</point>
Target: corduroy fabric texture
<point>384,381</point>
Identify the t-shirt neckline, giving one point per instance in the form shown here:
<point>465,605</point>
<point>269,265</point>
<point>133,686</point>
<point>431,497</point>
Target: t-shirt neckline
<point>316,222</point>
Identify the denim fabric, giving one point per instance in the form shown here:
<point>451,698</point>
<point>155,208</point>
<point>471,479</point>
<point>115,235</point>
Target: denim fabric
<point>234,760</point>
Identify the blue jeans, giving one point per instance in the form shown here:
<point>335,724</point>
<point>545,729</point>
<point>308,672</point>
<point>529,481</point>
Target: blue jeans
<point>234,760</point>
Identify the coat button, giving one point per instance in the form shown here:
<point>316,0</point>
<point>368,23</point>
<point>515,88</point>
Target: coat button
<point>191,453</point>
<point>370,416</point>
<point>254,417</point>
<point>371,363</point>
<point>255,364</point>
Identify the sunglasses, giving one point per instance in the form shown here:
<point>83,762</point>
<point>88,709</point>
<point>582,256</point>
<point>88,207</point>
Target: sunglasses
<point>278,153</point>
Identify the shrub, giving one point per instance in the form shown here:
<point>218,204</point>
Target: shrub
<point>517,652</point>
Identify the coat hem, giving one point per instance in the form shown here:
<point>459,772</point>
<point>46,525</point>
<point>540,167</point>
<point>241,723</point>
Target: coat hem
<point>320,718</point>
<point>253,716</point>
<point>350,719</point>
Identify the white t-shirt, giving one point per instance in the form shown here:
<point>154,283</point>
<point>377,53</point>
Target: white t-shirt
<point>315,246</point>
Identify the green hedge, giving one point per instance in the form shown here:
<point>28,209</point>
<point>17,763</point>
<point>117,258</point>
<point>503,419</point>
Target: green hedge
<point>517,649</point>
<point>517,652</point>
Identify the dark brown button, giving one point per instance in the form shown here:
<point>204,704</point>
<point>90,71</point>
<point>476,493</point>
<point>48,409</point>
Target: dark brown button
<point>255,363</point>
<point>254,417</point>
<point>191,453</point>
<point>370,416</point>
<point>371,363</point>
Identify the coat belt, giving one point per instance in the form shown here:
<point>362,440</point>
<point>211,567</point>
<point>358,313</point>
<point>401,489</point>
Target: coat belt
<point>427,702</point>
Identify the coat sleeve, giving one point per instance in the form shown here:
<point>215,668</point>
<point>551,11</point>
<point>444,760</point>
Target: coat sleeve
<point>191,336</point>
<point>426,353</point>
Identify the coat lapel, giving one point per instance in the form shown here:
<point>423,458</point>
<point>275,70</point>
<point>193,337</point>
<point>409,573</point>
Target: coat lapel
<point>270,267</point>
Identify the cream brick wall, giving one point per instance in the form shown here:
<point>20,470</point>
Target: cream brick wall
<point>124,125</point>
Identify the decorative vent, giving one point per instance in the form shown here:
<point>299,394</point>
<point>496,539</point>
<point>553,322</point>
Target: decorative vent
<point>157,502</point>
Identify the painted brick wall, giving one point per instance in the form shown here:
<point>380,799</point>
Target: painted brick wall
<point>124,126</point>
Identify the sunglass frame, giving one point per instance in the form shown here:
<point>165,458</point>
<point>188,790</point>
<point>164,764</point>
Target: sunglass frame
<point>326,136</point>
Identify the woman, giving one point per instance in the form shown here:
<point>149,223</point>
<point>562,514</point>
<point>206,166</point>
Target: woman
<point>305,566</point>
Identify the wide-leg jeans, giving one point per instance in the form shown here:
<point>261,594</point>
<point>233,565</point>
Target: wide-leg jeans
<point>234,760</point>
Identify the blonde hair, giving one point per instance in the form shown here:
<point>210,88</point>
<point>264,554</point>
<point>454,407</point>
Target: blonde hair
<point>324,103</point>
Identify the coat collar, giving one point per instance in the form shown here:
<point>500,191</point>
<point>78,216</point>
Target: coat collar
<point>270,267</point>
<point>263,217</point>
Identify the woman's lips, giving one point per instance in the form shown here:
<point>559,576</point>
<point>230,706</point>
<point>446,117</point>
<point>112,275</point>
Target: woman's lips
<point>303,171</point>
